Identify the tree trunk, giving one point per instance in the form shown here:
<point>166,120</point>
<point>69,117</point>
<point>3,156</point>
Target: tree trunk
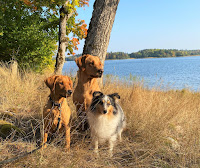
<point>97,40</point>
<point>60,58</point>
<point>100,27</point>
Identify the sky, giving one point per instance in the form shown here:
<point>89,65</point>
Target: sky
<point>151,24</point>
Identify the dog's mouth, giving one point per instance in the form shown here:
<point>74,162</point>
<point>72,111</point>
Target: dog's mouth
<point>68,94</point>
<point>98,74</point>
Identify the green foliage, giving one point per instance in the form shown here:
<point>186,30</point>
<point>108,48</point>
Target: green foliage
<point>163,53</point>
<point>29,30</point>
<point>117,55</point>
<point>26,36</point>
<point>76,29</point>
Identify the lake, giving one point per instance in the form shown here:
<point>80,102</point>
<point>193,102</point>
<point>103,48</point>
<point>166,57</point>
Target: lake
<point>165,73</point>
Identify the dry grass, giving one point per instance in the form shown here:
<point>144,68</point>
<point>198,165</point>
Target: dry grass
<point>163,127</point>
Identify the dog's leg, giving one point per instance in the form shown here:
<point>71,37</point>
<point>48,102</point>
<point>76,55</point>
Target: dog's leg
<point>47,128</point>
<point>111,144</point>
<point>45,139</point>
<point>111,147</point>
<point>120,135</point>
<point>96,145</point>
<point>67,136</point>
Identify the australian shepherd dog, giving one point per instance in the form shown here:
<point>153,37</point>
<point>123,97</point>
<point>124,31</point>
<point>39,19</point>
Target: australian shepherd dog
<point>106,119</point>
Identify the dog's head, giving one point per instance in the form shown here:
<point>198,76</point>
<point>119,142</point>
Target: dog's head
<point>91,65</point>
<point>105,104</point>
<point>60,85</point>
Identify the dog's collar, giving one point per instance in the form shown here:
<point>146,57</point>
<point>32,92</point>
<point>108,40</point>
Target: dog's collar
<point>59,108</point>
<point>54,103</point>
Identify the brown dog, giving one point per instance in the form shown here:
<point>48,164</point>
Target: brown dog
<point>90,68</point>
<point>57,112</point>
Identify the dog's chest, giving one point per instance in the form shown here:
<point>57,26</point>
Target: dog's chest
<point>83,92</point>
<point>63,114</point>
<point>82,95</point>
<point>88,97</point>
<point>102,126</point>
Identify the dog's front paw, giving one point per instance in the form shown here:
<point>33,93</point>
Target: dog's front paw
<point>111,153</point>
<point>96,151</point>
<point>67,148</point>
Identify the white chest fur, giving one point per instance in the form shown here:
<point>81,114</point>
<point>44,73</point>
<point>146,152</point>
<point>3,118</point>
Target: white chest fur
<point>103,127</point>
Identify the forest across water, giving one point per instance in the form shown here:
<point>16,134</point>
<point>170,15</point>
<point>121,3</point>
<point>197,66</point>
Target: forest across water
<point>146,53</point>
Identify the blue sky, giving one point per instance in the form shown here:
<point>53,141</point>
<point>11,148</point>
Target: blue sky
<point>145,24</point>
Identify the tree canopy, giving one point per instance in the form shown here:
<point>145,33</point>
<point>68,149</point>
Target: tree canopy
<point>29,31</point>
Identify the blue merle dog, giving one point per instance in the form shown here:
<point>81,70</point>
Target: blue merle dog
<point>106,119</point>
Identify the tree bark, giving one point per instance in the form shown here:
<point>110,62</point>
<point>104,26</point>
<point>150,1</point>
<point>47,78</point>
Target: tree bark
<point>60,58</point>
<point>103,16</point>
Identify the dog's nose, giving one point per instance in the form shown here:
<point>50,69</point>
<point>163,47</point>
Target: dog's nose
<point>100,71</point>
<point>105,111</point>
<point>69,92</point>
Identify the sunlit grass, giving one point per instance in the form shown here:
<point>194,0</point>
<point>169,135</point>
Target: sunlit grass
<point>163,127</point>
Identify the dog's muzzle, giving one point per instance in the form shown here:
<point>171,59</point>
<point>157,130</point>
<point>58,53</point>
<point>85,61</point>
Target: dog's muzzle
<point>69,92</point>
<point>100,72</point>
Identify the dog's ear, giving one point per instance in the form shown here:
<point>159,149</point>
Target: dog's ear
<point>97,93</point>
<point>81,62</point>
<point>95,100</point>
<point>114,96</point>
<point>70,81</point>
<point>50,82</point>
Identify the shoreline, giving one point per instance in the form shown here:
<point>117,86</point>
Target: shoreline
<point>148,58</point>
<point>156,57</point>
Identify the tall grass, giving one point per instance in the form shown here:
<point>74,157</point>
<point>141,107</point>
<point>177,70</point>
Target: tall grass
<point>163,127</point>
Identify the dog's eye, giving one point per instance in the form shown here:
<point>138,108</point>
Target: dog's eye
<point>61,83</point>
<point>91,63</point>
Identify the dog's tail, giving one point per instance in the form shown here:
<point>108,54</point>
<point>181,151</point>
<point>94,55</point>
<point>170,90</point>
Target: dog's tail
<point>123,117</point>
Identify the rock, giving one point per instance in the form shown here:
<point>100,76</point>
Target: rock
<point>7,128</point>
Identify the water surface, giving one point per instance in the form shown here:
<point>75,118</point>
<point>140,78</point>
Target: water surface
<point>169,73</point>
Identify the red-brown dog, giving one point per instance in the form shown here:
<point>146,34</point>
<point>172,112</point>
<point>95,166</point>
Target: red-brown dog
<point>90,68</point>
<point>57,112</point>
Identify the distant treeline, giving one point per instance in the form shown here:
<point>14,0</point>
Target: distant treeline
<point>147,53</point>
<point>72,58</point>
<point>158,53</point>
